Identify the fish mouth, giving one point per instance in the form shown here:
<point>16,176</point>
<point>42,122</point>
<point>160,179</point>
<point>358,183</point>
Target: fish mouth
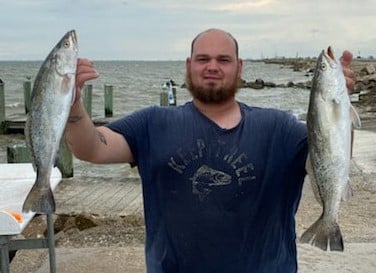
<point>330,53</point>
<point>73,34</point>
<point>73,37</point>
<point>330,57</point>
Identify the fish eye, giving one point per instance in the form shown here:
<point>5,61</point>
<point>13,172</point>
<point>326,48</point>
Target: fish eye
<point>66,43</point>
<point>323,66</point>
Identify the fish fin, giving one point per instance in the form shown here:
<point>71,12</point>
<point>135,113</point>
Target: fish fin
<point>335,100</point>
<point>337,96</point>
<point>39,200</point>
<point>355,123</point>
<point>323,235</point>
<point>355,119</point>
<point>347,191</point>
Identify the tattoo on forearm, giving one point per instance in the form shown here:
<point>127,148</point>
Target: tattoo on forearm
<point>102,138</point>
<point>74,119</point>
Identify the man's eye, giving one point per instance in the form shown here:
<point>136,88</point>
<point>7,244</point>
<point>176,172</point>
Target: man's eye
<point>202,59</point>
<point>224,60</point>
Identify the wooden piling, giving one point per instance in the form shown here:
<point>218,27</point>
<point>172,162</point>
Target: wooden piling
<point>166,100</point>
<point>27,95</point>
<point>18,153</point>
<point>168,94</point>
<point>2,107</point>
<point>87,98</point>
<point>108,101</point>
<point>172,101</point>
<point>163,99</point>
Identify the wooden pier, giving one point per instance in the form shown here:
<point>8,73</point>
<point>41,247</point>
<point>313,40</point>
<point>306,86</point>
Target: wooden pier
<point>16,125</point>
<point>20,154</point>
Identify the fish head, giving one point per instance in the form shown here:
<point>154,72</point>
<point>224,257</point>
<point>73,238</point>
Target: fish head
<point>65,54</point>
<point>329,81</point>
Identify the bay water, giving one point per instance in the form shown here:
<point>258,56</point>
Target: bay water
<point>137,84</point>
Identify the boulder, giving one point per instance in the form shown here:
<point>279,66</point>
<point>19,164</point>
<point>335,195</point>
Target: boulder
<point>369,69</point>
<point>369,79</point>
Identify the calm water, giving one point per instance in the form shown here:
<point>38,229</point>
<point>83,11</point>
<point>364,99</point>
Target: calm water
<point>137,84</point>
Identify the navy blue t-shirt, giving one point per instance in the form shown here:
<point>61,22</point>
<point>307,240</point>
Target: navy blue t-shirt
<point>218,200</point>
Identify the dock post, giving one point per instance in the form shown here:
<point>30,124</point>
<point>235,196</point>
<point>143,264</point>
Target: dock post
<point>18,153</point>
<point>163,99</point>
<point>108,101</point>
<point>2,107</point>
<point>172,101</point>
<point>88,93</point>
<point>168,94</point>
<point>27,95</point>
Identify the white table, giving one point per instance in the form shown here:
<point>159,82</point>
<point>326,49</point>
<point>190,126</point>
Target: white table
<point>16,180</point>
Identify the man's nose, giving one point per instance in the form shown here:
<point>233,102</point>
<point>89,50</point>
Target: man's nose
<point>213,65</point>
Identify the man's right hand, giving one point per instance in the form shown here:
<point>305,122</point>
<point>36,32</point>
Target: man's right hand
<point>85,72</point>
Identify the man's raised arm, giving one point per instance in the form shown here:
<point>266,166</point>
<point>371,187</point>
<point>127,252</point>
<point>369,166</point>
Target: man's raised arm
<point>87,142</point>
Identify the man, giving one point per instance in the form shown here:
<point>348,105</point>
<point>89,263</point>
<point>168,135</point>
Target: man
<point>221,180</point>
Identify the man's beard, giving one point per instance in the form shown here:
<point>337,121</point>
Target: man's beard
<point>211,94</point>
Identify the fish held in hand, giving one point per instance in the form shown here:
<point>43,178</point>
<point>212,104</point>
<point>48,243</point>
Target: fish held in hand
<point>330,119</point>
<point>51,99</point>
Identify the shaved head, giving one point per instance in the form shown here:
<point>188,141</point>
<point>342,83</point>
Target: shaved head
<point>216,30</point>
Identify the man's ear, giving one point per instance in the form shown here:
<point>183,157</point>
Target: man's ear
<point>187,62</point>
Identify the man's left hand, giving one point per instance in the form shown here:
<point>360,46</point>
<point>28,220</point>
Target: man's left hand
<point>347,71</point>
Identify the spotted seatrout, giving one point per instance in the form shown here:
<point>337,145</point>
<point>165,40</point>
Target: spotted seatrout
<point>329,121</point>
<point>52,96</point>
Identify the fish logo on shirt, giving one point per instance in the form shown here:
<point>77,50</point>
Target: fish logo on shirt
<point>205,178</point>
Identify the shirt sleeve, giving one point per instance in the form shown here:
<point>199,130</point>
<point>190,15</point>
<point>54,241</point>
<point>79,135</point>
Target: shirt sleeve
<point>296,141</point>
<point>134,128</point>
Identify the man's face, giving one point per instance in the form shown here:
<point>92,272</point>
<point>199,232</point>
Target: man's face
<point>213,71</point>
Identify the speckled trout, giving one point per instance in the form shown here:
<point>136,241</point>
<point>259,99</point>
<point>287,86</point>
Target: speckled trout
<point>51,99</point>
<point>329,121</point>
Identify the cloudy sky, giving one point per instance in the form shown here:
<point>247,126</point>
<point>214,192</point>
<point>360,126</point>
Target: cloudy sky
<point>163,29</point>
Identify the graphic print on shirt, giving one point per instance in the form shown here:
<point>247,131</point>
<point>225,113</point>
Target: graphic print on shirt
<point>206,178</point>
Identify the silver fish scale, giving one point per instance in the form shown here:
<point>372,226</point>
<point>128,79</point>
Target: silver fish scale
<point>329,140</point>
<point>51,100</point>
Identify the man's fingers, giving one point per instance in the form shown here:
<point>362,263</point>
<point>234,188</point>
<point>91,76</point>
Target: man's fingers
<point>347,71</point>
<point>86,75</point>
<point>350,84</point>
<point>85,72</point>
<point>346,58</point>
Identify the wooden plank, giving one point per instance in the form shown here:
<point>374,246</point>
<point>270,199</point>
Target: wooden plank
<point>100,197</point>
<point>17,125</point>
<point>2,104</point>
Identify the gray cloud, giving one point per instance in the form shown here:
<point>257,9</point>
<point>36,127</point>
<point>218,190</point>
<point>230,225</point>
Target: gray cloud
<point>149,29</point>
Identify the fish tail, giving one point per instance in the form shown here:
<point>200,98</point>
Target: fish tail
<point>323,234</point>
<point>40,200</point>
